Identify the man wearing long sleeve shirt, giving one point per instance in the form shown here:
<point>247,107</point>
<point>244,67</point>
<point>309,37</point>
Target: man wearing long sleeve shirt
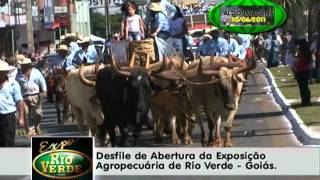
<point>217,46</point>
<point>202,49</point>
<point>167,8</point>
<point>246,43</point>
<point>32,83</point>
<point>233,46</point>
<point>246,38</point>
<point>160,29</point>
<point>87,54</point>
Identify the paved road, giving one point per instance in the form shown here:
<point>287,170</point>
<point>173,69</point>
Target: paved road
<point>184,177</point>
<point>50,126</point>
<point>259,122</point>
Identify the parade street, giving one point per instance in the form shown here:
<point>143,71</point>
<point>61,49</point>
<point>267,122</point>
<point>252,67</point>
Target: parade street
<point>260,121</point>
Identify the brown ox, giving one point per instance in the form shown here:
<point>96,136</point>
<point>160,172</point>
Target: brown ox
<point>171,109</point>
<point>218,100</point>
<point>216,86</point>
<point>81,93</point>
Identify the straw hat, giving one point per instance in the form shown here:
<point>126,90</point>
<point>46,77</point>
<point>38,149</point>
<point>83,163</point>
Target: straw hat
<point>84,40</point>
<point>155,7</point>
<point>62,47</point>
<point>4,66</point>
<point>71,36</point>
<point>20,57</point>
<point>63,37</point>
<point>206,36</point>
<point>26,61</point>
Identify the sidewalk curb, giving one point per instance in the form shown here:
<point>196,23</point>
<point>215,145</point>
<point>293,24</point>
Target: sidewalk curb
<point>301,131</point>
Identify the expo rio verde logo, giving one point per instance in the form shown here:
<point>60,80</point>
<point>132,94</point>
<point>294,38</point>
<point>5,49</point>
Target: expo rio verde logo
<point>247,16</point>
<point>61,158</point>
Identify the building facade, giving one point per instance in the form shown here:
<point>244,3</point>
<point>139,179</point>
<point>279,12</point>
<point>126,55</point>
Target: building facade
<point>50,19</point>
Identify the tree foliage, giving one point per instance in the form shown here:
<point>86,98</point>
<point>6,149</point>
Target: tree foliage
<point>298,17</point>
<point>98,23</point>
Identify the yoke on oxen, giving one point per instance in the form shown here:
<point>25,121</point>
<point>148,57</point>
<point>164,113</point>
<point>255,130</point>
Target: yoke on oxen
<point>141,52</point>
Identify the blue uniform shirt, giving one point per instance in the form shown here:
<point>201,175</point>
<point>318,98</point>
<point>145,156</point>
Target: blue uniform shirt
<point>217,47</point>
<point>10,94</point>
<point>160,21</point>
<point>242,52</point>
<point>221,47</point>
<point>246,40</point>
<point>168,8</point>
<point>74,46</point>
<point>233,47</point>
<point>202,50</point>
<point>33,85</point>
<point>54,60</point>
<point>91,55</point>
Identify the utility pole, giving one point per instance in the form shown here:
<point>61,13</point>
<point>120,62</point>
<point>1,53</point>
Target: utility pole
<point>29,26</point>
<point>107,18</point>
<point>72,16</point>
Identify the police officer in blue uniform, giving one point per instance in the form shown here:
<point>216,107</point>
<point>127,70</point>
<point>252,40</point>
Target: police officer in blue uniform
<point>10,101</point>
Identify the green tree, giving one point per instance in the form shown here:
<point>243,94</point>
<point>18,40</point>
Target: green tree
<point>304,15</point>
<point>98,23</point>
<point>115,22</point>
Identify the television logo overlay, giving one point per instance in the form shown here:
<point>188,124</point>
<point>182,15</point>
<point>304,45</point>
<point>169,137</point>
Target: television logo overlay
<point>247,16</point>
<point>62,158</point>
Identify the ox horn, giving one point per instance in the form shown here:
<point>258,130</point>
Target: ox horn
<point>155,65</point>
<point>155,69</point>
<point>210,72</point>
<point>169,75</point>
<point>83,79</point>
<point>116,68</point>
<point>182,63</point>
<point>246,67</point>
<point>200,69</point>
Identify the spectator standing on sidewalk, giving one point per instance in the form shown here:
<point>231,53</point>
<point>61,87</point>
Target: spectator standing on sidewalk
<point>302,68</point>
<point>290,50</point>
<point>10,102</point>
<point>32,83</point>
<point>274,58</point>
<point>315,50</point>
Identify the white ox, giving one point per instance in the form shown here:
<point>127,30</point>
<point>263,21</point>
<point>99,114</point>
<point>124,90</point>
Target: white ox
<point>85,105</point>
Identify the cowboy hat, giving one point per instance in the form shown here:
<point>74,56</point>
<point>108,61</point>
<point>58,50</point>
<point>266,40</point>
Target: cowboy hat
<point>84,40</point>
<point>26,61</point>
<point>155,7</point>
<point>20,57</point>
<point>206,36</point>
<point>71,36</point>
<point>62,47</point>
<point>4,66</point>
<point>62,37</point>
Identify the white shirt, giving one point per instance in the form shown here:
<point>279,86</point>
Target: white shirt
<point>133,23</point>
<point>2,24</point>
